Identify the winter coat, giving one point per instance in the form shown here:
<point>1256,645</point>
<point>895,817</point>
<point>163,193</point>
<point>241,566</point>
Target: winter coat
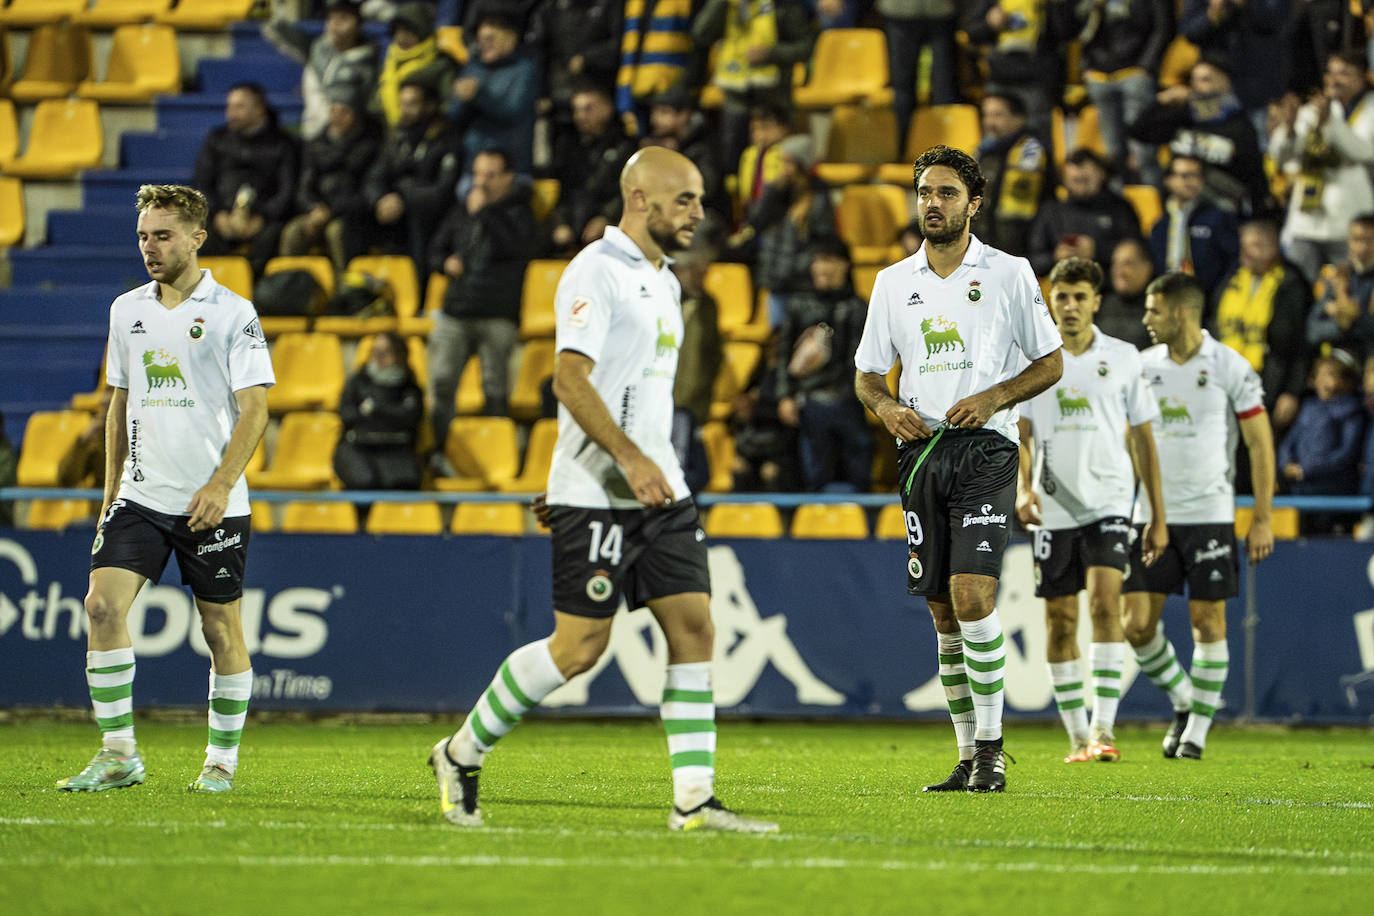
<point>267,161</point>
<point>495,244</point>
<point>1326,441</point>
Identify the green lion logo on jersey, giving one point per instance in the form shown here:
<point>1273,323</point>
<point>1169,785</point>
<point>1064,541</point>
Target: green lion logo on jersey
<point>161,369</point>
<point>1072,406</point>
<point>1172,410</point>
<point>940,334</point>
<point>666,343</point>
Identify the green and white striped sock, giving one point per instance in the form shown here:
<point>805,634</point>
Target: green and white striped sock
<point>1211,660</point>
<point>689,717</point>
<point>525,678</point>
<point>110,677</point>
<point>229,696</point>
<point>1160,664</point>
<point>985,658</point>
<point>954,678</point>
<point>1106,659</point>
<point>1067,680</point>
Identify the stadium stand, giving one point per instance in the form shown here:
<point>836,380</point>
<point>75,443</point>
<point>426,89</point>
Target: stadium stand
<point>403,290</point>
<point>891,523</point>
<point>310,372</point>
<point>144,62</point>
<point>484,452</point>
<point>534,475</point>
<point>404,518</point>
<point>231,271</point>
<point>58,58</point>
<point>317,266</point>
<point>730,285</point>
<point>65,138</point>
<point>720,456</point>
<point>29,13</point>
<point>9,133</point>
<point>11,212</point>
<point>861,139</point>
<point>57,514</point>
<point>114,13</point>
<point>738,361</point>
<point>488,518</point>
<point>958,126</point>
<point>829,520</point>
<point>536,366</point>
<point>47,438</point>
<point>536,299</point>
<point>1145,199</point>
<point>260,517</point>
<point>848,65</point>
<point>206,14</point>
<point>744,520</point>
<point>869,217</point>
<point>304,456</point>
<point>319,518</point>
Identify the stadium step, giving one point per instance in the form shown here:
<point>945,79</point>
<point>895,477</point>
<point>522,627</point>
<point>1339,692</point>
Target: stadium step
<point>272,71</point>
<point>204,111</point>
<point>93,226</point>
<point>40,311</point>
<point>162,148</point>
<point>50,266</point>
<point>117,187</point>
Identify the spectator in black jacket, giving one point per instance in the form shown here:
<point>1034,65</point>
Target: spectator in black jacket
<point>483,248</point>
<point>380,407</point>
<point>1194,235</point>
<point>411,185</point>
<point>578,41</point>
<point>332,176</point>
<point>1021,56</point>
<point>1122,313</point>
<point>1318,29</point>
<point>674,122</point>
<point>1252,35</point>
<point>1086,224</point>
<point>247,170</point>
<point>587,165</point>
<point>1019,172</point>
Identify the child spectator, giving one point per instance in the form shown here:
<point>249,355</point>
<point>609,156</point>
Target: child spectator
<point>1320,455</point>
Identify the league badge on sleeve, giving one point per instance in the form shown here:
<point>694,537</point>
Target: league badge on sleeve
<point>580,315</point>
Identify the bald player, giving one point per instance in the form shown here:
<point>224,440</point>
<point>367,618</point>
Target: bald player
<point>623,521</point>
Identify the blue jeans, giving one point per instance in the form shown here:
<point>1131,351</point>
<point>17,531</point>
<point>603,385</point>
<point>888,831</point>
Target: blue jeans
<point>836,444</point>
<point>1118,104</point>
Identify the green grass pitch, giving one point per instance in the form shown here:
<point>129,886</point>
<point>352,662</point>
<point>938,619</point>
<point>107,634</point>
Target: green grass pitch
<point>343,818</point>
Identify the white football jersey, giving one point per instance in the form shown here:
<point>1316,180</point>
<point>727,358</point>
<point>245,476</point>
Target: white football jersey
<point>957,335</point>
<point>615,307</point>
<point>181,367</point>
<point>1200,403</point>
<point>1083,471</point>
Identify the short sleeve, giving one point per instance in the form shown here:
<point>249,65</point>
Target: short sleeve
<point>1140,403</point>
<point>116,355</point>
<point>1032,325</point>
<point>584,306</point>
<point>876,352</point>
<point>249,361</point>
<point>1243,385</point>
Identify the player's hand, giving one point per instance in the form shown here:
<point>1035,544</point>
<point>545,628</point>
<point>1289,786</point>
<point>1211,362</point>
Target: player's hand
<point>1155,542</point>
<point>904,423</point>
<point>1259,543</point>
<point>973,411</point>
<point>540,507</point>
<point>1028,508</point>
<point>647,482</point>
<point>207,506</point>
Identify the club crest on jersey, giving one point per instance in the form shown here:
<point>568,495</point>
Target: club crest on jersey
<point>599,586</point>
<point>1202,379</point>
<point>914,567</point>
<point>974,293</point>
<point>197,329</point>
<point>1102,368</point>
<point>581,312</point>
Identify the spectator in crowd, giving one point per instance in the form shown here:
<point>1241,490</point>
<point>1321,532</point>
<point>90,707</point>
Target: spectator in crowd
<point>1319,28</point>
<point>494,96</point>
<point>578,41</point>
<point>1344,314</point>
<point>334,170</point>
<point>1194,235</point>
<point>483,247</point>
<point>587,165</point>
<point>1122,314</point>
<point>1260,311</point>
<point>1204,119</point>
<point>838,14</point>
<point>793,213</point>
<point>656,53</point>
<point>765,447</point>
<point>910,238</point>
<point>247,169</point>
<point>1251,34</point>
<point>760,41</point>
<point>1320,456</point>
<point>410,186</point>
<point>699,358</point>
<point>1123,43</point>
<point>761,160</point>
<point>819,334</point>
<point>911,25</point>
<point>674,122</point>
<point>341,57</point>
<point>412,57</point>
<point>1327,149</point>
<point>381,407</point>
<point>473,10</point>
<point>1021,57</point>
<point>1019,172</point>
<point>1087,223</point>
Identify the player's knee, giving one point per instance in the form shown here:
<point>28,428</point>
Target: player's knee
<point>1138,631</point>
<point>100,610</point>
<point>576,656</point>
<point>1061,624</point>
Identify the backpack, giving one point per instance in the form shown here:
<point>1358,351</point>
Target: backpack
<point>287,293</point>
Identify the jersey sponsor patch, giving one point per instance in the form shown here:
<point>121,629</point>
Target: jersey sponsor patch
<point>581,313</point>
<point>254,330</point>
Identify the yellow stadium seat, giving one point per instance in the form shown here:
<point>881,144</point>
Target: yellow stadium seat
<point>830,520</point>
<point>850,65</point>
<point>1148,206</point>
<point>450,41</point>
<point>469,398</point>
<point>206,15</point>
<point>56,514</point>
<point>144,62</point>
<point>59,57</point>
<point>1284,521</point>
<point>863,277</point>
<point>260,517</point>
<point>404,518</point>
<point>9,133</point>
<point>1087,134</point>
<point>319,267</point>
<point>536,366</point>
<point>399,273</point>
<point>65,138</point>
<point>869,217</point>
<point>738,361</point>
<point>304,456</point>
<point>488,518</point>
<point>730,285</point>
<point>435,288</point>
<point>861,139</point>
<point>319,518</point>
<point>11,212</point>
<point>534,476</point>
<point>536,299</point>
<point>6,62</point>
<point>112,13</point>
<point>546,191</point>
<point>1179,57</point>
<point>231,271</point>
<point>891,523</point>
<point>39,12</point>
<point>415,355</point>
<point>744,520</point>
<point>48,436</point>
<point>959,126</point>
<point>483,451</point>
<point>310,373</point>
<point>720,456</point>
